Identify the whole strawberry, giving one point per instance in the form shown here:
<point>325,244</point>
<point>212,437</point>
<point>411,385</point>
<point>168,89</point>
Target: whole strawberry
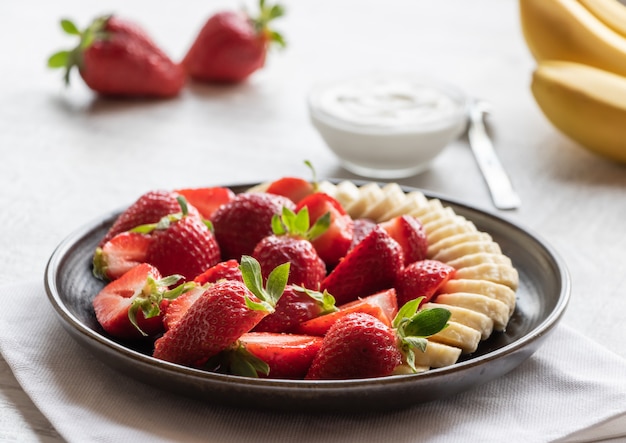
<point>232,45</point>
<point>245,220</point>
<point>291,242</point>
<point>115,57</point>
<point>359,345</point>
<point>148,208</point>
<point>422,278</point>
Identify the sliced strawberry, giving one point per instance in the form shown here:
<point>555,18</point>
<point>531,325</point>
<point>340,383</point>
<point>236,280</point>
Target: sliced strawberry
<point>131,306</point>
<point>410,235</point>
<point>382,305</point>
<point>120,254</point>
<point>149,208</point>
<point>422,279</point>
<point>362,228</point>
<point>296,306</point>
<point>243,222</point>
<point>370,267</point>
<point>288,356</point>
<point>221,314</point>
<point>356,346</point>
<point>226,270</point>
<point>177,308</point>
<point>335,242</point>
<point>207,200</point>
<point>293,188</point>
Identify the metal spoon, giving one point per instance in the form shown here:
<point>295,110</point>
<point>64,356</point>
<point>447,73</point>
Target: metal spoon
<point>498,182</point>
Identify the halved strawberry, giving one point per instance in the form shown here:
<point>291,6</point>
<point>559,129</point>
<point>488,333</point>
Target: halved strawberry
<point>333,244</point>
<point>382,305</point>
<point>120,254</point>
<point>288,356</point>
<point>241,223</point>
<point>422,279</point>
<point>177,308</point>
<point>131,306</point>
<point>226,270</point>
<point>296,306</point>
<point>410,235</point>
<point>293,188</point>
<point>370,267</point>
<point>207,200</point>
<point>220,315</point>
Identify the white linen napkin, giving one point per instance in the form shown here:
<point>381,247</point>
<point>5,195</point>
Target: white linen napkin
<point>570,390</point>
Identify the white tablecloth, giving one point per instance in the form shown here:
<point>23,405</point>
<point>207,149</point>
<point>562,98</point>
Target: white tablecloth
<point>68,157</point>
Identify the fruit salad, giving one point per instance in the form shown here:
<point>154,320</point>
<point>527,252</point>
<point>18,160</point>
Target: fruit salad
<point>295,279</point>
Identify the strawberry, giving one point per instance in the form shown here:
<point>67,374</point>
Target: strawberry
<point>297,305</point>
<point>361,228</point>
<point>333,244</point>
<point>177,308</point>
<point>120,254</point>
<point>422,279</point>
<point>232,45</point>
<point>290,243</point>
<point>220,315</point>
<point>288,356</point>
<point>179,243</point>
<point>360,346</point>
<point>228,270</point>
<point>115,57</point>
<point>356,346</point>
<point>370,267</point>
<point>244,221</point>
<point>207,200</point>
<point>131,306</point>
<point>294,188</point>
<point>382,305</point>
<point>187,247</point>
<point>410,235</point>
<point>149,208</point>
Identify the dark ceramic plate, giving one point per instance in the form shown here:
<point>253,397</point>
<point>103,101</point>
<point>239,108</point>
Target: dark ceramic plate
<point>541,300</point>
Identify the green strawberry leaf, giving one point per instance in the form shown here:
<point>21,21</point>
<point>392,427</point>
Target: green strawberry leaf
<point>325,301</point>
<point>69,27</point>
<point>406,311</point>
<point>427,322</point>
<point>238,360</point>
<point>253,279</point>
<point>59,59</point>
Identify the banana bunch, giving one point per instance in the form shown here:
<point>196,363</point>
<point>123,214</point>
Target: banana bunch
<point>580,80</point>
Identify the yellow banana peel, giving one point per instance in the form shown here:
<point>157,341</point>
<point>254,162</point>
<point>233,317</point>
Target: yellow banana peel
<point>585,103</point>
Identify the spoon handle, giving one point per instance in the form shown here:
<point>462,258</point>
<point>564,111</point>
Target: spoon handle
<point>498,182</point>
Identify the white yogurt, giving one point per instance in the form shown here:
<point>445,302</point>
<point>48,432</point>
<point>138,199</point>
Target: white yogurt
<point>387,125</point>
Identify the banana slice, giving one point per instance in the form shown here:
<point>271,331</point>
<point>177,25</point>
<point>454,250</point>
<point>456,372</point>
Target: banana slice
<point>497,273</point>
<point>261,187</point>
<point>347,193</point>
<point>492,308</point>
<point>436,214</point>
<point>369,195</point>
<point>460,226</point>
<point>487,288</point>
<point>392,196</point>
<point>478,258</point>
<point>459,336</point>
<point>437,355</point>
<point>467,248</point>
<point>327,188</point>
<point>413,201</point>
<point>457,239</point>
<point>472,319</point>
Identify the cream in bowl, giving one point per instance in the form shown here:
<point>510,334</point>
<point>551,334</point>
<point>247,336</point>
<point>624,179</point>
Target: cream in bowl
<point>387,125</point>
